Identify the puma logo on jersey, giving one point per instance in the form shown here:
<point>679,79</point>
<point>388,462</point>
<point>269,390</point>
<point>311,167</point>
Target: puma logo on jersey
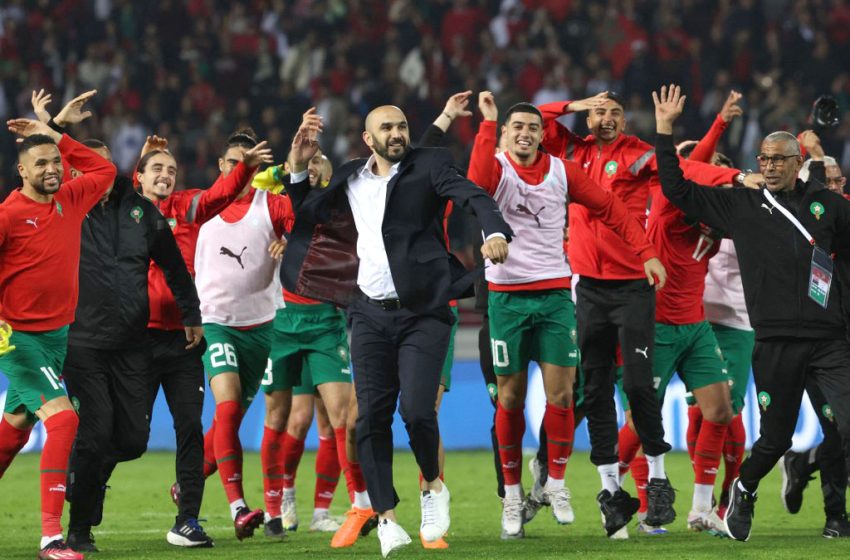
<point>33,222</point>
<point>645,351</point>
<point>768,208</point>
<point>229,253</point>
<point>522,209</point>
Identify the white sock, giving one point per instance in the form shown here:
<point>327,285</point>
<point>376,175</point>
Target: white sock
<point>320,513</point>
<point>235,505</point>
<point>47,540</point>
<point>702,497</point>
<point>362,501</point>
<point>267,517</point>
<point>289,493</point>
<point>610,475</point>
<point>553,484</point>
<point>513,491</point>
<point>656,466</point>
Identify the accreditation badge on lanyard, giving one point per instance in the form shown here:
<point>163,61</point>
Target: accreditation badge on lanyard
<point>820,275</point>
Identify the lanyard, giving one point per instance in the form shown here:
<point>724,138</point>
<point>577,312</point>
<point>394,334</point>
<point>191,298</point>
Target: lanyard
<point>791,217</point>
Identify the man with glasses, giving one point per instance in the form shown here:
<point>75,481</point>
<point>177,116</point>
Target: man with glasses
<point>835,179</point>
<point>784,235</point>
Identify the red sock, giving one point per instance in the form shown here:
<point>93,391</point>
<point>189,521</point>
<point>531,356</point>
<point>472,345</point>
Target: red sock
<point>560,425</point>
<point>228,449</point>
<point>61,431</point>
<point>342,457</point>
<point>694,422</point>
<point>293,449</point>
<point>640,474</point>
<point>271,457</point>
<point>708,451</point>
<point>733,450</point>
<point>510,427</point>
<point>209,452</point>
<point>12,440</point>
<point>327,473</point>
<point>628,444</point>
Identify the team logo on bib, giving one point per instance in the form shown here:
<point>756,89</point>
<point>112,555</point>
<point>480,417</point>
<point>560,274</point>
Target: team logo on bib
<point>816,209</point>
<point>227,252</point>
<point>136,213</point>
<point>826,410</point>
<point>764,400</point>
<point>611,168</point>
<point>172,223</point>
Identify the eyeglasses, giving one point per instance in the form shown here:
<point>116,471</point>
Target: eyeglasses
<point>777,161</point>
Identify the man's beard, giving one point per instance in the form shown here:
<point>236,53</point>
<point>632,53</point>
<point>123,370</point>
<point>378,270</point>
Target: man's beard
<point>45,191</point>
<point>384,152</point>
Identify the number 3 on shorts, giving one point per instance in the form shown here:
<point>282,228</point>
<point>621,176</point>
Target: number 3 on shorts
<point>500,352</point>
<point>268,378</point>
<point>223,354</point>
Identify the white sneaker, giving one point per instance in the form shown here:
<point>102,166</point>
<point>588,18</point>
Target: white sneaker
<point>392,537</point>
<point>288,516</point>
<point>650,530</point>
<point>512,518</point>
<point>562,509</point>
<point>536,492</point>
<point>435,514</point>
<point>324,524</point>
<point>707,521</point>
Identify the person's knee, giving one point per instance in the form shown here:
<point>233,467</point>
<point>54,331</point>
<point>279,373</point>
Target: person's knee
<point>417,418</point>
<point>718,413</point>
<point>511,394</point>
<point>299,423</point>
<point>561,397</point>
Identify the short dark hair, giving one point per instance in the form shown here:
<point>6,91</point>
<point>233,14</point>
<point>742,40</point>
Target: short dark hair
<point>523,107</point>
<point>687,148</point>
<point>94,144</point>
<point>143,162</point>
<point>723,159</point>
<point>617,98</point>
<point>34,140</point>
<point>244,137</point>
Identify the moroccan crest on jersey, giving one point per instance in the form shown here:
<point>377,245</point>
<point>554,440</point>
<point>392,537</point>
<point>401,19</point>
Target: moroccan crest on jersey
<point>136,213</point>
<point>826,410</point>
<point>343,353</point>
<point>611,168</point>
<point>817,209</point>
<point>172,223</point>
<point>58,207</point>
<point>764,400</point>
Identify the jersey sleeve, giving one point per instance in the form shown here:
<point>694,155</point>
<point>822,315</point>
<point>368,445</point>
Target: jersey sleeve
<point>207,204</point>
<point>607,208</point>
<point>4,226</point>
<point>98,174</point>
<point>270,179</point>
<point>558,140</point>
<point>705,148</point>
<point>484,169</point>
<point>280,210</point>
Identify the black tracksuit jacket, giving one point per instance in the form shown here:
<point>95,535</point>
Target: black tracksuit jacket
<point>119,239</point>
<point>774,256</point>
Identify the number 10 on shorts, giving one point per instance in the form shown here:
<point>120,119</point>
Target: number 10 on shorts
<point>500,352</point>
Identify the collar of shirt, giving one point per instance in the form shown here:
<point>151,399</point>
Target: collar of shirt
<point>366,171</point>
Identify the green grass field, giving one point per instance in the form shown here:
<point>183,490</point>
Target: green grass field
<point>139,511</point>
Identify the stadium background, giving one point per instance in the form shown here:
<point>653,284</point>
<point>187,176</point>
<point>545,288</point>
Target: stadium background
<point>193,70</point>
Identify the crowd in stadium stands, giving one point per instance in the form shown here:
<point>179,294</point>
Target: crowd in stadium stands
<point>193,70</point>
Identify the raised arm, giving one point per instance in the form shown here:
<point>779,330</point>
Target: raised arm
<point>708,205</point>
<point>305,144</point>
<point>705,148</point>
<point>484,169</point>
<point>557,138</point>
<point>456,106</point>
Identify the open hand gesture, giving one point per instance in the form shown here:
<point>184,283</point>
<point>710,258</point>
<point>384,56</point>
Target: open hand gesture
<point>73,113</point>
<point>40,100</point>
<point>305,143</point>
<point>153,143</point>
<point>457,105</point>
<point>261,153</point>
<point>28,127</point>
<point>588,103</point>
<point>730,108</point>
<point>668,106</point>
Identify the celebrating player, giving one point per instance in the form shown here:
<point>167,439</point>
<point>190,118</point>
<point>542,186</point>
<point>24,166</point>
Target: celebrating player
<point>40,227</point>
<point>531,309</point>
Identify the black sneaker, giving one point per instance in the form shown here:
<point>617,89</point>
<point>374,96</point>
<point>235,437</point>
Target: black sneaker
<point>796,474</point>
<point>274,528</point>
<point>740,513</point>
<point>660,497</point>
<point>617,510</point>
<point>81,541</point>
<point>189,534</point>
<point>836,527</point>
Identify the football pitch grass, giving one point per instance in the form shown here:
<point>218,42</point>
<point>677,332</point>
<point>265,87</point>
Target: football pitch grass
<point>139,511</point>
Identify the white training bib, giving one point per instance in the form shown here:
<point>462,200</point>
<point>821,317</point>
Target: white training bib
<point>234,273</point>
<point>538,215</point>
